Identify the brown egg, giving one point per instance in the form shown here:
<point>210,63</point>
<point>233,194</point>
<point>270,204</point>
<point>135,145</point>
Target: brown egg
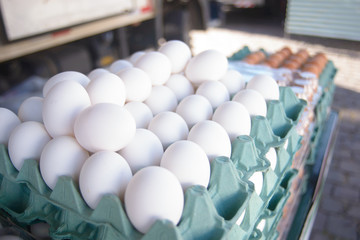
<point>251,59</point>
<point>296,59</point>
<point>318,62</point>
<point>290,65</point>
<point>272,63</point>
<point>286,50</point>
<point>311,68</point>
<point>321,55</point>
<point>303,53</point>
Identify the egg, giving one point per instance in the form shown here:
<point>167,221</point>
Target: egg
<point>212,138</point>
<point>141,112</point>
<point>271,155</point>
<point>96,73</point>
<point>144,150</point>
<point>180,85</point>
<point>209,65</point>
<point>107,88</point>
<point>62,105</point>
<point>136,56</point>
<point>265,85</point>
<point>119,65</point>
<point>253,101</point>
<point>258,179</point>
<point>233,81</point>
<point>156,65</point>
<point>154,193</point>
<point>8,122</point>
<point>178,52</point>
<point>169,127</point>
<point>31,109</point>
<point>104,172</point>
<point>62,156</point>
<point>137,84</point>
<point>189,162</point>
<point>65,76</point>
<point>104,126</point>
<point>215,92</point>
<point>26,141</point>
<point>194,109</point>
<point>234,118</point>
<point>161,99</point>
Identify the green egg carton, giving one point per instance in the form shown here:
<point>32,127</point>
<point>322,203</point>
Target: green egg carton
<point>327,75</point>
<point>288,178</point>
<point>241,54</point>
<point>293,106</point>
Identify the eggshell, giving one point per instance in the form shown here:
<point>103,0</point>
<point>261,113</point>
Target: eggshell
<point>169,127</point>
<point>258,179</point>
<point>212,138</point>
<point>265,85</point>
<point>144,150</point>
<point>180,85</point>
<point>119,65</point>
<point>31,109</point>
<point>271,155</point>
<point>253,101</point>
<point>233,81</point>
<point>153,193</point>
<point>104,126</point>
<point>234,118</point>
<point>141,113</point>
<point>209,65</point>
<point>194,109</point>
<point>107,88</point>
<point>178,52</point>
<point>136,56</point>
<point>65,76</point>
<point>104,172</point>
<point>156,65</point>
<point>189,162</point>
<point>62,105</point>
<point>96,73</point>
<point>215,92</point>
<point>137,84</point>
<point>62,156</point>
<point>8,122</point>
<point>26,141</point>
<point>161,99</point>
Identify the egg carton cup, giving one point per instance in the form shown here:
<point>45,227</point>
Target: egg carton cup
<point>327,75</point>
<point>293,106</point>
<point>240,54</point>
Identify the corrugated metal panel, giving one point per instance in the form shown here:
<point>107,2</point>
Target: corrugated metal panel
<point>325,18</point>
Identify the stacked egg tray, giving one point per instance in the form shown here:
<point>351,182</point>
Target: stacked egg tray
<point>228,209</point>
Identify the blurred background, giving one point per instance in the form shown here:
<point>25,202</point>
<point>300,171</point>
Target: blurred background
<point>41,38</point>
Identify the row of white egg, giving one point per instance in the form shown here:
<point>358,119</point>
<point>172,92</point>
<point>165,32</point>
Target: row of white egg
<point>108,130</point>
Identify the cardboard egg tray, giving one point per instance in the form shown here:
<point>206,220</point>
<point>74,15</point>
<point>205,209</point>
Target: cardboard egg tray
<point>228,209</point>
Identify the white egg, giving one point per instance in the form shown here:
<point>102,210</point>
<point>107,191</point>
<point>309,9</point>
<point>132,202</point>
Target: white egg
<point>258,179</point>
<point>215,92</point>
<point>161,99</point>
<point>209,65</point>
<point>271,155</point>
<point>136,56</point>
<point>144,150</point>
<point>194,109</point>
<point>62,105</point>
<point>107,88</point>
<point>8,122</point>
<point>178,52</point>
<point>141,113</point>
<point>180,85</point>
<point>31,109</point>
<point>65,76</point>
<point>119,65</point>
<point>153,193</point>
<point>26,141</point>
<point>253,101</point>
<point>156,65</point>
<point>233,81</point>
<point>104,126</point>
<point>62,156</point>
<point>104,172</point>
<point>212,138</point>
<point>169,127</point>
<point>137,83</point>
<point>96,73</point>
<point>234,118</point>
<point>189,162</point>
<point>265,85</point>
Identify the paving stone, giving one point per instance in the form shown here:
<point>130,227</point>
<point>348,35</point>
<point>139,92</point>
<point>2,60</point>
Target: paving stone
<point>354,212</point>
<point>331,205</point>
<point>336,177</point>
<point>350,166</point>
<point>354,180</point>
<point>318,235</point>
<point>342,227</point>
<point>320,221</point>
<point>345,192</point>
